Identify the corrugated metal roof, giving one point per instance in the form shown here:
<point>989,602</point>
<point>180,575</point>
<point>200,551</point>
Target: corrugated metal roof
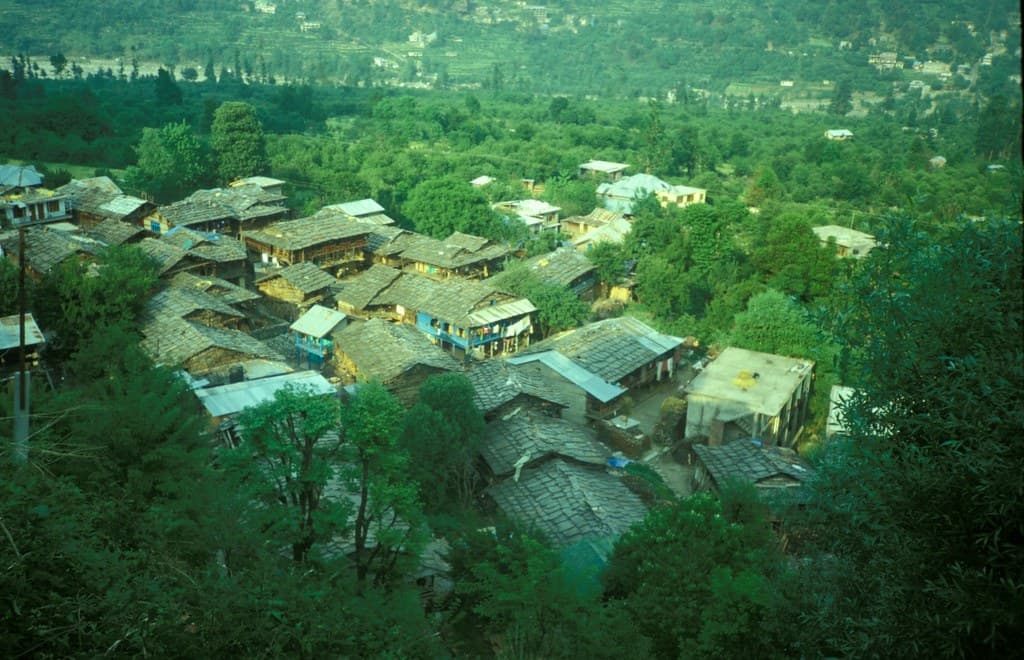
<point>10,335</point>
<point>593,384</point>
<point>501,311</point>
<point>360,207</point>
<point>318,321</point>
<point>233,398</point>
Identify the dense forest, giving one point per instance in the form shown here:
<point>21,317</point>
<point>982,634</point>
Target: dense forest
<point>127,533</point>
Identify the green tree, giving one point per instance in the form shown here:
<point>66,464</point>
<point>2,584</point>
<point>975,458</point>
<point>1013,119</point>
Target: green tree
<point>171,162</point>
<point>238,143</point>
<point>59,62</point>
<point>293,444</point>
<point>438,207</point>
<point>558,308</point>
<point>921,509</point>
<point>705,567</point>
<point>842,99</point>
<point>794,261</point>
<point>166,90</point>
<point>442,435</point>
<point>388,526</point>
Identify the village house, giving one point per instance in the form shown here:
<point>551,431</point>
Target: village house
<point>395,355</point>
<point>221,256</point>
<point>199,349</point>
<point>252,206</point>
<point>615,232</point>
<point>749,395</point>
<point>45,248</point>
<point>591,367</point>
<point>538,216</point>
<point>99,199</point>
<point>227,292</point>
<point>525,438</point>
<point>620,195</point>
<point>223,403</point>
<point>839,134</point>
<point>602,169</point>
<point>299,287</point>
<point>578,225</point>
<point>204,216</point>
<point>363,210</point>
<point>566,268</point>
<point>329,241</point>
<point>18,178</point>
<point>116,232</point>
<point>314,334</point>
<point>34,205</point>
<point>768,469</point>
<point>569,503</point>
<point>460,254</point>
<point>848,242</point>
<point>500,387</point>
<point>269,185</point>
<point>195,306</point>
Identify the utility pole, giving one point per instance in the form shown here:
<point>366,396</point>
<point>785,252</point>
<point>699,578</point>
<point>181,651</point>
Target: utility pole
<point>21,387</point>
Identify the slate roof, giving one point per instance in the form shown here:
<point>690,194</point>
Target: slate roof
<point>293,235</point>
<point>455,300</point>
<point>611,349</point>
<point>206,245</point>
<point>596,218</point>
<point>561,267</point>
<point>384,351</point>
<point>615,231</point>
<point>261,181</point>
<point>167,255</point>
<point>364,287</point>
<point>174,341</point>
<point>746,461</point>
<point>381,241</point>
<point>228,292</point>
<point>114,232</point>
<point>456,251</point>
<point>318,321</point>
<point>777,377</point>
<point>233,398</point>
<point>179,303</point>
<point>246,201</point>
<point>10,332</point>
<point>100,196</point>
<point>569,503</point>
<point>359,207</point>
<point>496,382</point>
<point>45,249</point>
<point>305,276</point>
<point>192,212</point>
<point>527,436</point>
<point>589,382</point>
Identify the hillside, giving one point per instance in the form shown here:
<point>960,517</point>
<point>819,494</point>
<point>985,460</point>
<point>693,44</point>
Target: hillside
<point>583,47</point>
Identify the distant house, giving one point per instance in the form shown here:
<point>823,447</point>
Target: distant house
<point>482,180</point>
<point>848,242</point>
<point>301,285</point>
<point>327,241</point>
<point>766,468</point>
<point>99,199</point>
<point>749,395</point>
<point>220,255</point>
<point>838,134</point>
<point>500,387</point>
<point>602,169</point>
<point>116,232</point>
<point>314,334</point>
<point>357,295</point>
<point>269,185</point>
<point>363,210</point>
<point>569,503</point>
<point>538,216</point>
<point>525,438</point>
<point>620,195</point>
<point>615,232</point>
<point>578,225</point>
<point>253,207</point>
<point>396,355</point>
<point>592,366</point>
<point>937,162</point>
<point>838,397</point>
